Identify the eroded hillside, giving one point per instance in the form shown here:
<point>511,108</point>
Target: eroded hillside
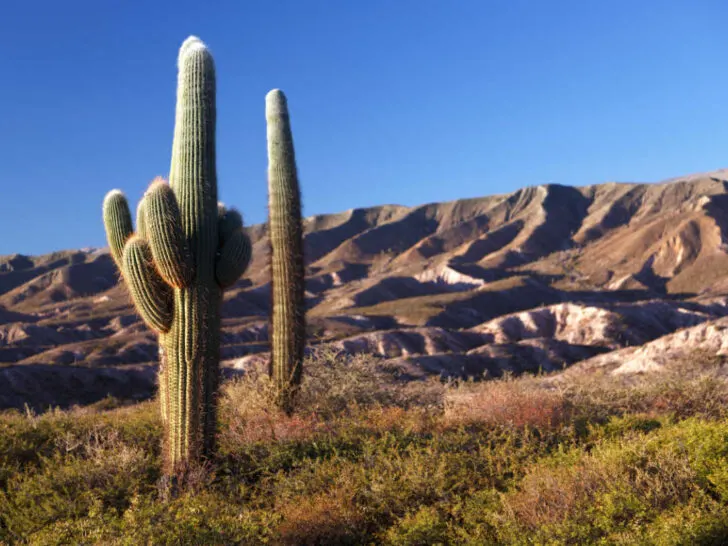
<point>539,279</point>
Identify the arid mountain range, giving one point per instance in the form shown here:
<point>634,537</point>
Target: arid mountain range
<point>615,276</point>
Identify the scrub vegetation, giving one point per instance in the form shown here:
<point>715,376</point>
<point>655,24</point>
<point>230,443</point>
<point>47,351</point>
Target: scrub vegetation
<point>370,459</point>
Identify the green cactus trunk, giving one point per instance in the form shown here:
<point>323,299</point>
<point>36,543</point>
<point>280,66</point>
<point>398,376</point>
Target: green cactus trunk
<point>172,265</point>
<point>192,346</point>
<point>288,326</point>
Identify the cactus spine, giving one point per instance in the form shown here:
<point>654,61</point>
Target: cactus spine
<point>288,328</point>
<point>172,266</point>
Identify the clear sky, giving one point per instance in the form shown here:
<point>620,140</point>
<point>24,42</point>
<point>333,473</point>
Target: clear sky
<point>392,101</point>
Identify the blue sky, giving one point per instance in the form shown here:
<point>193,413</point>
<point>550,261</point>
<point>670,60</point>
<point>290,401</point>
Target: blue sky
<point>392,101</point>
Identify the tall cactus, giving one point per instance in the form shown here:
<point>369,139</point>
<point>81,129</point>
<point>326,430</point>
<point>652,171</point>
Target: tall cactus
<point>288,327</point>
<point>185,253</point>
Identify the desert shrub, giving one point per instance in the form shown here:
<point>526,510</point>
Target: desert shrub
<point>335,382</point>
<point>99,470</point>
<point>368,459</point>
<point>192,520</point>
<point>579,498</point>
<point>424,526</point>
<point>27,439</point>
<point>334,386</point>
<point>700,522</point>
<point>695,386</point>
<point>507,402</point>
<point>328,517</point>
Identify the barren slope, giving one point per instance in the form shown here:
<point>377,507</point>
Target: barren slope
<point>542,278</point>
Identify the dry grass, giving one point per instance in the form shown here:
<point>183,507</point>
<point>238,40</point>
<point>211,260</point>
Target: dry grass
<point>334,386</point>
<point>507,402</point>
<point>550,493</point>
<point>695,385</point>
<point>323,518</point>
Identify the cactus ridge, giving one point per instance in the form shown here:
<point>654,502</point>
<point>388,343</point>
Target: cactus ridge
<point>141,219</point>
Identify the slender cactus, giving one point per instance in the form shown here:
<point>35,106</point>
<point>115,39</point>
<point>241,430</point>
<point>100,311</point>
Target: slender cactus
<point>288,327</point>
<point>171,266</point>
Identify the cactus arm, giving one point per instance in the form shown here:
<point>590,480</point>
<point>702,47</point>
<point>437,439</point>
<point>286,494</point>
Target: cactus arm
<point>141,219</point>
<point>151,295</point>
<point>235,249</point>
<point>117,221</point>
<point>233,259</point>
<point>288,327</point>
<point>166,238</point>
<point>141,231</point>
<point>230,220</point>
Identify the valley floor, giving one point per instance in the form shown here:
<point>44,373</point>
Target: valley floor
<point>371,460</point>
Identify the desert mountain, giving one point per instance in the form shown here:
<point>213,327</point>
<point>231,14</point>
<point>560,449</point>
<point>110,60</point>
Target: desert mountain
<point>545,278</point>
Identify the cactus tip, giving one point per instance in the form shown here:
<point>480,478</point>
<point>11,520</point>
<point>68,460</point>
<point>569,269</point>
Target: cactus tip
<point>191,44</point>
<point>114,194</point>
<point>235,211</point>
<point>158,181</point>
<point>275,103</point>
